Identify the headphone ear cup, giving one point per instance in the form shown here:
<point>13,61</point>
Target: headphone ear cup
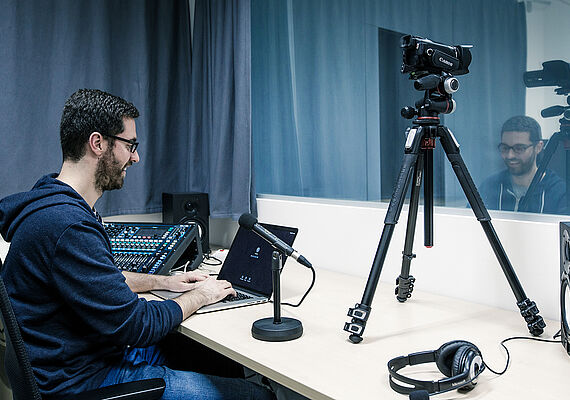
<point>463,361</point>
<point>445,355</point>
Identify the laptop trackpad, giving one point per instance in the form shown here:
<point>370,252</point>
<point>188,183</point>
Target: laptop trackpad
<point>166,294</point>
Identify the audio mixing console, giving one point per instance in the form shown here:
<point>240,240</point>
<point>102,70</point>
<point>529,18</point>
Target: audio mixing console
<point>154,248</point>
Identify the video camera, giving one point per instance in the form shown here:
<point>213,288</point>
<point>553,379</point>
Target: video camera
<point>422,57</point>
<point>432,66</point>
<point>554,73</point>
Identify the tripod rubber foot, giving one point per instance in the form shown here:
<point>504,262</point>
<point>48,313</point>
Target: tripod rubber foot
<point>355,338</point>
<point>536,328</point>
<point>404,288</point>
<point>529,311</point>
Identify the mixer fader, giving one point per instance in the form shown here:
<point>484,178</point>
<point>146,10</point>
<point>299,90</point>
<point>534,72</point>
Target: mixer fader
<point>154,248</point>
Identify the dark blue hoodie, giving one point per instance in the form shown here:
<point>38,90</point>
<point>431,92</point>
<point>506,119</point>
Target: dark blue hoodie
<point>549,196</point>
<point>76,313</point>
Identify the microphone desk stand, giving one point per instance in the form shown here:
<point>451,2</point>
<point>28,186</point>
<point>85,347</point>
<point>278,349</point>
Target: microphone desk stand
<point>276,329</point>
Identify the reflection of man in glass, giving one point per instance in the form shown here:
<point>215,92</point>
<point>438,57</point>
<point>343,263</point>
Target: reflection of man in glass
<point>521,141</point>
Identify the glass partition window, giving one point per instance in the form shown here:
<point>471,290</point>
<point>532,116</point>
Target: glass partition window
<point>327,91</point>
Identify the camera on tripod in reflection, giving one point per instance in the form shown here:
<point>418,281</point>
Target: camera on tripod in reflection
<point>553,73</point>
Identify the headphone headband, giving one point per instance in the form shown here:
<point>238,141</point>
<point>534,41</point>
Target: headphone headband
<point>469,373</point>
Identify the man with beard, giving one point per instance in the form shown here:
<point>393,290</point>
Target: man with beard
<point>83,325</point>
<point>521,142</point>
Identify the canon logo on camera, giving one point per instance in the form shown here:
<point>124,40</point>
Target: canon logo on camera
<point>446,62</point>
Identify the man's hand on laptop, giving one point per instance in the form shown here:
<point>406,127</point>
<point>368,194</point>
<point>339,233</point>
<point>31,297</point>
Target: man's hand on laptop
<point>215,290</point>
<point>182,282</point>
<point>207,291</point>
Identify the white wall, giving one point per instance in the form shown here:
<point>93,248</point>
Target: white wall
<point>343,236</point>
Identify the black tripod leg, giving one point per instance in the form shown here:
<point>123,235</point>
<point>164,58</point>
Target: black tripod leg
<point>428,198</point>
<point>528,308</point>
<point>546,156</point>
<point>361,311</point>
<point>405,282</point>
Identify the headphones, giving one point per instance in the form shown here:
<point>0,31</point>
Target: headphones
<point>460,361</point>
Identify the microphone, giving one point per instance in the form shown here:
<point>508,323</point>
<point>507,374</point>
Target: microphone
<point>249,222</point>
<point>552,111</point>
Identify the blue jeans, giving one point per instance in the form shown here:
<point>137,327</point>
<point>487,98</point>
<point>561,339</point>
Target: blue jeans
<point>145,363</point>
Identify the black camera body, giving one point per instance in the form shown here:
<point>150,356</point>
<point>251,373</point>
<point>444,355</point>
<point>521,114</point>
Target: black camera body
<point>554,73</point>
<point>422,57</point>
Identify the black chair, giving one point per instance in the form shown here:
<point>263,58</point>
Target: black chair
<point>21,375</point>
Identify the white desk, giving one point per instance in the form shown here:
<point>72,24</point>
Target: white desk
<point>323,364</point>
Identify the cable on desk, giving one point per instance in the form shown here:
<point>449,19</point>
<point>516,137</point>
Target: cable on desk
<point>306,293</point>
<point>209,257</point>
<point>184,267</point>
<point>181,268</point>
<point>519,338</point>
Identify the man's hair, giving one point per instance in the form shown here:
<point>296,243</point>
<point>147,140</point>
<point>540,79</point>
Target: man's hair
<point>87,111</point>
<point>522,123</point>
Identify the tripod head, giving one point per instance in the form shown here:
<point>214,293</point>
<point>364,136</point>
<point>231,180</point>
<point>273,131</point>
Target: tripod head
<point>438,90</point>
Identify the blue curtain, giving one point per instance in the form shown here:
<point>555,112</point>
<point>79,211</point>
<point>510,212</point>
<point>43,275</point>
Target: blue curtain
<point>137,50</point>
<point>316,105</point>
<point>220,107</point>
<point>308,120</point>
<point>194,128</point>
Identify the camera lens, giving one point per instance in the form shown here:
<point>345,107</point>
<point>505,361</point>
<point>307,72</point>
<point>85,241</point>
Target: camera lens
<point>451,85</point>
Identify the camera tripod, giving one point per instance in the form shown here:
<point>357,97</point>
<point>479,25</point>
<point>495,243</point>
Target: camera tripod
<point>418,157</point>
<point>561,136</point>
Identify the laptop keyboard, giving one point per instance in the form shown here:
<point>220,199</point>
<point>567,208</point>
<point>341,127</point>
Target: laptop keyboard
<point>240,296</point>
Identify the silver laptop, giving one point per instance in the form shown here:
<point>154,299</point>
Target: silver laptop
<point>248,268</point>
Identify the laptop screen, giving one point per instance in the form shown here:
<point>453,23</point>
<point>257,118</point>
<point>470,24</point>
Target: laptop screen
<point>248,263</point>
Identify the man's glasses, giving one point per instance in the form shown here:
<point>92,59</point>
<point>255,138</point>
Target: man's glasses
<point>517,148</point>
<point>133,143</point>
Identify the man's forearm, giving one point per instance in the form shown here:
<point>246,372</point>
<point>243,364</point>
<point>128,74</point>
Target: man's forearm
<point>200,289</point>
<point>190,302</point>
<point>139,283</point>
<point>207,291</point>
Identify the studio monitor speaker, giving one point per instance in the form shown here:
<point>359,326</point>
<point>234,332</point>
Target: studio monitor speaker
<point>565,283</point>
<point>180,208</point>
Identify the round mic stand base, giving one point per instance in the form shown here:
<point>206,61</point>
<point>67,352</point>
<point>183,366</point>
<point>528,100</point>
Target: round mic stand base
<point>276,328</point>
<point>268,330</point>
